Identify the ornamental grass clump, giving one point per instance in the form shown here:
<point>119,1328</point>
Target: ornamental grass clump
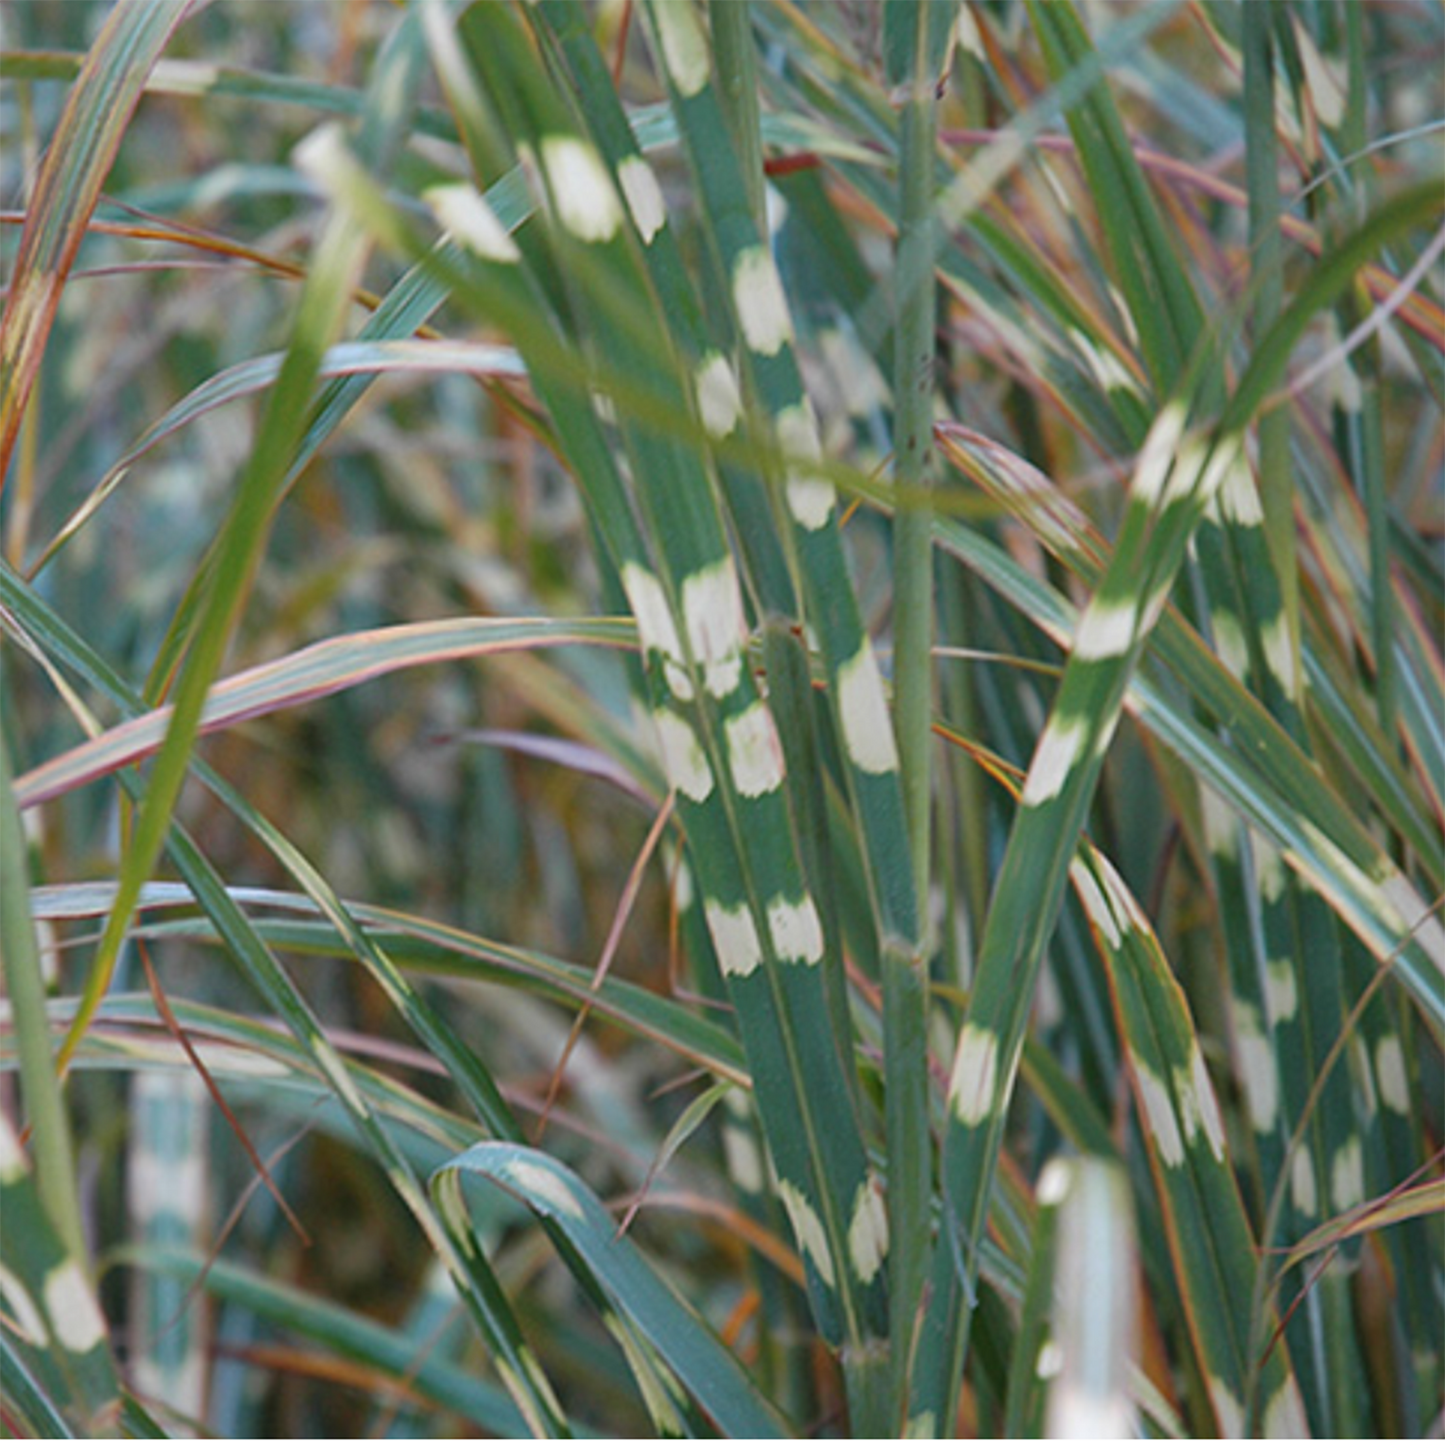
<point>722,718</point>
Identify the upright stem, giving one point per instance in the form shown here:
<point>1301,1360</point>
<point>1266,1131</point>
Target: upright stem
<point>1368,421</point>
<point>1276,483</point>
<point>913,361</point>
<point>20,973</point>
<point>917,53</point>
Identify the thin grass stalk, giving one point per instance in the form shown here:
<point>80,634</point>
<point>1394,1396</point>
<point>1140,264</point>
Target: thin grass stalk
<point>92,125</point>
<point>915,463</point>
<point>917,37</point>
<point>1266,253</point>
<point>322,308</point>
<point>965,866</point>
<point>1358,417</point>
<point>25,987</point>
<point>24,483</point>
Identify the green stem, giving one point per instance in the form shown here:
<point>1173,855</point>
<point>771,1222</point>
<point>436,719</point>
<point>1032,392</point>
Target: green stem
<point>914,472</point>
<point>1266,266</point>
<point>54,1157</point>
<point>905,969</point>
<point>1370,444</point>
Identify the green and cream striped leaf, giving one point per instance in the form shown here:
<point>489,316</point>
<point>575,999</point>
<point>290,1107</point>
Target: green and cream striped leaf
<point>1211,1243</point>
<point>719,404</point>
<point>1061,528</point>
<point>1177,475</point>
<point>768,363</point>
<point>1173,481</point>
<point>1385,910</point>
<point>167,1203</point>
<point>806,502</point>
<point>56,1337</point>
<point>717,734</point>
<point>1258,770</point>
<point>1242,604</point>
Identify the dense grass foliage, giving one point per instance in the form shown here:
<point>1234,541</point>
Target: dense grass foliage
<point>722,717</point>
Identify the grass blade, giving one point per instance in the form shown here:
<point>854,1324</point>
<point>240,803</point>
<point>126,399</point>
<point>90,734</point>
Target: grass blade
<point>641,1298</point>
<point>318,671</point>
<point>327,293</point>
<point>90,132</point>
<point>1210,1239</point>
